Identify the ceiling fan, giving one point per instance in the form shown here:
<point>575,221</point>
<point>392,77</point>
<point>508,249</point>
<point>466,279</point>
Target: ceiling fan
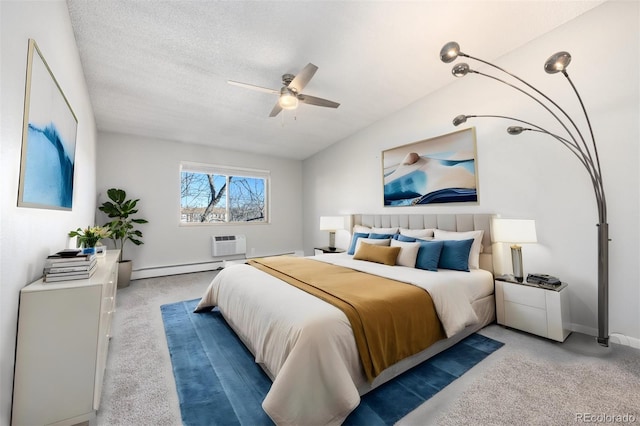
<point>290,92</point>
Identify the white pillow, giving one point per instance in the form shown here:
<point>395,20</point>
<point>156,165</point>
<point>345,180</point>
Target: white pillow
<point>408,253</point>
<point>361,229</point>
<point>373,241</point>
<point>476,247</point>
<point>423,234</point>
<point>384,230</point>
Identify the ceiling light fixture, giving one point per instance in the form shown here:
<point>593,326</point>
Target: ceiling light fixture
<point>288,98</point>
<point>584,149</point>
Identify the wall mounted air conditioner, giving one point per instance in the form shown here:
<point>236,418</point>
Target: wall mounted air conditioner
<point>228,245</point>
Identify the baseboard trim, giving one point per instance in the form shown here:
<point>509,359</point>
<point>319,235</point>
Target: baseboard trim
<point>621,339</point>
<point>617,338</point>
<point>162,271</point>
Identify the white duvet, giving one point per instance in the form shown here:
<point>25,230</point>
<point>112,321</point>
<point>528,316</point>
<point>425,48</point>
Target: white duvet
<point>307,346</point>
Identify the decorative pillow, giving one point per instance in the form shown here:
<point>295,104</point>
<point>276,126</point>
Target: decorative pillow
<point>384,230</point>
<point>429,255</point>
<point>376,253</point>
<point>408,253</point>
<point>423,234</point>
<point>404,238</point>
<point>372,241</point>
<point>476,248</point>
<point>356,236</point>
<point>455,254</point>
<point>361,229</point>
<point>381,236</point>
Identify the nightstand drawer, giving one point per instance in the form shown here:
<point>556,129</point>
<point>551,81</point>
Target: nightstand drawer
<point>523,295</point>
<point>526,318</point>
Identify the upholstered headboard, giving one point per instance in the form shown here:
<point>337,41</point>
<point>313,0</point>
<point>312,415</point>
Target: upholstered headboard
<point>447,222</point>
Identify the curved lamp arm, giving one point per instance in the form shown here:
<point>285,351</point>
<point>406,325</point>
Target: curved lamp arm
<point>460,70</point>
<point>556,63</point>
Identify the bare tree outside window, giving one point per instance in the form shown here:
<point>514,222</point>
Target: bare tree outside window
<point>220,198</point>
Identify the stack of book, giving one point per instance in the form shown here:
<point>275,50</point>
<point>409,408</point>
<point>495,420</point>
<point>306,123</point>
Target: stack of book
<point>62,267</point>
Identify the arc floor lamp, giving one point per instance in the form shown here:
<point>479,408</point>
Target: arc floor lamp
<point>584,149</point>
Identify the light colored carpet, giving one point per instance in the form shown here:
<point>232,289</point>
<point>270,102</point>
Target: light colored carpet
<point>530,380</point>
<point>535,392</point>
<point>139,388</point>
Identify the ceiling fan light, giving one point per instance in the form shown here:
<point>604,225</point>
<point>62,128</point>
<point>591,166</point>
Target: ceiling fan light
<point>288,99</point>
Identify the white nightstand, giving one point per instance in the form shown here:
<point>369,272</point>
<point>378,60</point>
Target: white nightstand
<point>530,308</point>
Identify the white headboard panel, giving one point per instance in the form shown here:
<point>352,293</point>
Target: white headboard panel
<point>447,222</point>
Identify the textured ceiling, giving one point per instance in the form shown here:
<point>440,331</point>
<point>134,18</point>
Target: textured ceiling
<point>160,68</point>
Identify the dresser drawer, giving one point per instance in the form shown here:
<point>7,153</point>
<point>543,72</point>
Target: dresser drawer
<point>523,295</point>
<point>526,318</point>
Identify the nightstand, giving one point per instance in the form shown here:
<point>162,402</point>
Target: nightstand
<point>532,308</point>
<point>327,250</point>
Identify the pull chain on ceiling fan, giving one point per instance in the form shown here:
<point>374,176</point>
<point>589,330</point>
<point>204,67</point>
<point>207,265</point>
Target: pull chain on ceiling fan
<point>289,94</point>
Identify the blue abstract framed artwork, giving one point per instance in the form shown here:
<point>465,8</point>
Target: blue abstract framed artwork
<point>432,171</point>
<point>48,139</point>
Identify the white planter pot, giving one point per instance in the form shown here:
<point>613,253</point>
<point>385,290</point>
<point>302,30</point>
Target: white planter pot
<point>124,273</point>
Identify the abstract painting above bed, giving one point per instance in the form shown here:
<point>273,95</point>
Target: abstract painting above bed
<point>436,170</point>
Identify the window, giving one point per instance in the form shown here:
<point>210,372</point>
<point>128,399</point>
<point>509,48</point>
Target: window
<point>217,194</point>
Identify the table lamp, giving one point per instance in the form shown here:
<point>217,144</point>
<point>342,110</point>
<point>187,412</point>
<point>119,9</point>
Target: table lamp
<point>515,232</point>
<point>331,224</point>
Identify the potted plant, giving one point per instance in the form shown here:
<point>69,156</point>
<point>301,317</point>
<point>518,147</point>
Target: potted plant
<point>122,228</point>
<point>89,237</point>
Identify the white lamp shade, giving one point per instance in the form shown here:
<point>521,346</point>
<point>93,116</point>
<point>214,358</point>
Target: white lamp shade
<point>513,231</point>
<point>331,223</point>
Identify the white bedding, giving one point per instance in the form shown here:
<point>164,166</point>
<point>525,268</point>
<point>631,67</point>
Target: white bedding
<point>307,346</point>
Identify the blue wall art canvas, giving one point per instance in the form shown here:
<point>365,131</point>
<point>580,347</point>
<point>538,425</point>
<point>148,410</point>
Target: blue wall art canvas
<point>431,171</point>
<point>48,139</point>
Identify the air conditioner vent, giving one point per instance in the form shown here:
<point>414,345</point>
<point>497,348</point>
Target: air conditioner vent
<point>228,245</point>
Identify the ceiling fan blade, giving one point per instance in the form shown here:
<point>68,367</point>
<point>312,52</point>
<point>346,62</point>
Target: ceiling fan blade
<point>276,110</point>
<point>253,87</point>
<point>303,77</point>
<point>312,100</point>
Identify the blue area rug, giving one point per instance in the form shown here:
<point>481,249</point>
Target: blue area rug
<point>219,383</point>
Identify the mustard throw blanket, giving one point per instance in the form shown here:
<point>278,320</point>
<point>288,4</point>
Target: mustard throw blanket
<point>391,320</point>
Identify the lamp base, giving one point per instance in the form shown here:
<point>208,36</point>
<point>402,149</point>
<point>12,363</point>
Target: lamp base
<point>332,241</point>
<point>516,262</point>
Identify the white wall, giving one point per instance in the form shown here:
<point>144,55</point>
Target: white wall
<point>149,169</point>
<point>528,176</point>
<point>28,235</point>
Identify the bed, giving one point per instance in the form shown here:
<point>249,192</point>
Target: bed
<point>307,346</point>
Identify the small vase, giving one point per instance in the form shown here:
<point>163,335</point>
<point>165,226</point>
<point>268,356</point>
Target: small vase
<point>89,250</point>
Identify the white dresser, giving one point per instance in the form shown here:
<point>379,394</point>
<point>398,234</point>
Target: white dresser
<point>533,309</point>
<point>63,339</point>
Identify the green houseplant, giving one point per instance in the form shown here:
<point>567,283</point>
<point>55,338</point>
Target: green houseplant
<point>122,228</point>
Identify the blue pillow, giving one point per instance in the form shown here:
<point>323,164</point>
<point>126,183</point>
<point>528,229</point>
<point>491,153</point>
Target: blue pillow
<point>429,254</point>
<point>455,255</point>
<point>354,240</point>
<point>381,236</point>
<point>404,238</point>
